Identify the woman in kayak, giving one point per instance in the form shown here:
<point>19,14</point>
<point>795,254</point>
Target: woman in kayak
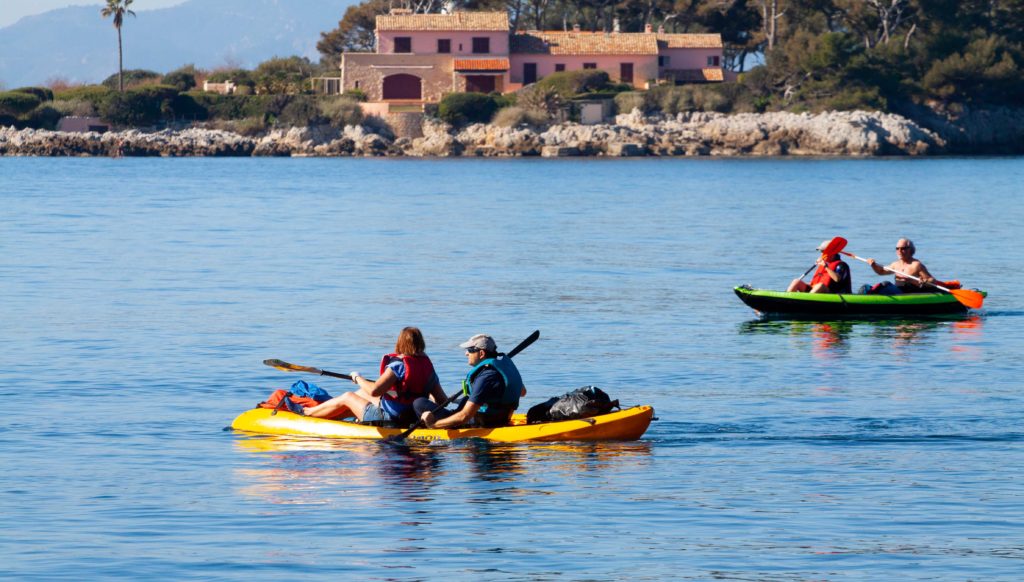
<point>905,263</point>
<point>491,390</point>
<point>832,276</point>
<point>405,375</point>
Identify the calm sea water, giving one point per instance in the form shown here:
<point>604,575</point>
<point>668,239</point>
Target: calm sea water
<point>139,296</point>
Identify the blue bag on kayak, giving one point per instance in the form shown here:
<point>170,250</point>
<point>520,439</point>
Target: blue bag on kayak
<point>309,390</point>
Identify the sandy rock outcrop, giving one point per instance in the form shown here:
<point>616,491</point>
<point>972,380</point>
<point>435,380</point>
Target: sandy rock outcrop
<point>437,141</point>
<point>849,133</point>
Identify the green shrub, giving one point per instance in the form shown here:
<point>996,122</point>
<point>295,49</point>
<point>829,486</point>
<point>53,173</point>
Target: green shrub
<point>43,117</point>
<point>341,111</point>
<point>180,80</point>
<point>503,100</point>
<point>227,107</point>
<point>283,75</point>
<point>670,99</point>
<point>250,126</point>
<point>464,108</point>
<point>43,93</point>
<point>16,103</point>
<point>569,84</point>
<point>537,97</point>
<point>356,94</point>
<point>627,101</point>
<point>856,99</point>
<point>184,106</point>
<point>140,106</point>
<point>75,107</point>
<point>516,116</point>
<point>94,94</point>
<point>302,111</point>
<point>132,78</point>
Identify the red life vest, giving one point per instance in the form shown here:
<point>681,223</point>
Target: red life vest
<point>418,372</point>
<point>820,276</point>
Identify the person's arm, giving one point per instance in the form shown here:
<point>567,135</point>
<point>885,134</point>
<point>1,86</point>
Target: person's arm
<point>834,275</point>
<point>463,416</point>
<point>876,267</point>
<point>378,386</point>
<point>924,275</point>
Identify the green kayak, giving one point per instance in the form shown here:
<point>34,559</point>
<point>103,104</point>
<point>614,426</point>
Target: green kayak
<point>845,305</point>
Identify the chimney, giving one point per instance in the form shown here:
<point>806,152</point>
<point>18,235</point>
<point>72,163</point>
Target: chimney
<point>615,25</point>
<point>647,28</point>
<point>576,27</point>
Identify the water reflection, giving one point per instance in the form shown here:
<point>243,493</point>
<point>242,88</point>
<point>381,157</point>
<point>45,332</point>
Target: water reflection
<point>301,469</point>
<point>831,339</point>
<point>305,470</point>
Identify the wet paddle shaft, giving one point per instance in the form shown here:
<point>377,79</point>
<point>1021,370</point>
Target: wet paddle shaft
<point>282,365</point>
<point>970,298</point>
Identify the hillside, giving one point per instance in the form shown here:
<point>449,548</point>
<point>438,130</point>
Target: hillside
<point>77,44</point>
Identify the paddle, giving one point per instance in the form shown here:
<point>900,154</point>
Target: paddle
<point>282,365</point>
<point>419,422</point>
<point>967,297</point>
<point>833,247</point>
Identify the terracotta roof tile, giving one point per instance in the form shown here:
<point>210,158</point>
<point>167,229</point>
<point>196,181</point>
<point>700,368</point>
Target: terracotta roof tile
<point>458,21</point>
<point>709,74</point>
<point>713,74</point>
<point>584,43</point>
<point>689,40</point>
<point>481,65</point>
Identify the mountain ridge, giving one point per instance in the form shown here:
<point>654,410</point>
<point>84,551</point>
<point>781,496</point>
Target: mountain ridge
<point>206,34</point>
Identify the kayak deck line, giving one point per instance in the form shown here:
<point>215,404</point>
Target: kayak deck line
<point>626,424</point>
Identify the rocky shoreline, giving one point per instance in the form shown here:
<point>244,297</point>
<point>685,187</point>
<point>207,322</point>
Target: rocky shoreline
<point>857,133</point>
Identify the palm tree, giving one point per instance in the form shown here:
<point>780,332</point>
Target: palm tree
<point>117,9</point>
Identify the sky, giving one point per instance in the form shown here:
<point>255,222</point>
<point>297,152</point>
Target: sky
<point>13,10</point>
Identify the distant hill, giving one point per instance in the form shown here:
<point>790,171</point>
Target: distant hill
<point>77,44</point>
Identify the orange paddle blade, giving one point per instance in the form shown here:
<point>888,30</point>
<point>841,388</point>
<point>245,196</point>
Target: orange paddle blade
<point>971,299</point>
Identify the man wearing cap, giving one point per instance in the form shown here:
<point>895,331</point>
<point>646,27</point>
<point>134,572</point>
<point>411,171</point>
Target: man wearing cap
<point>491,390</point>
<point>832,276</point>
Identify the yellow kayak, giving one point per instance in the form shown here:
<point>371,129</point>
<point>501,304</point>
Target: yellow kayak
<point>622,425</point>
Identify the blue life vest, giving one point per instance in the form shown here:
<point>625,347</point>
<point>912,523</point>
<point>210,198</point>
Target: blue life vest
<point>513,385</point>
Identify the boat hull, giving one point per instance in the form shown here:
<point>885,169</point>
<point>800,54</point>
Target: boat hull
<point>849,305</point>
<point>622,425</point>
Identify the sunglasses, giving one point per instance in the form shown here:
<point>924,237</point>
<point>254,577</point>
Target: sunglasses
<point>903,248</point>
<point>473,350</point>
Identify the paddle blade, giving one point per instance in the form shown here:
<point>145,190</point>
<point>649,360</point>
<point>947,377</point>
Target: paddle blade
<point>970,298</point>
<point>834,246</point>
<point>285,366</point>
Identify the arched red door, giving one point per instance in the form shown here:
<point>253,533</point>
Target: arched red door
<point>403,86</point>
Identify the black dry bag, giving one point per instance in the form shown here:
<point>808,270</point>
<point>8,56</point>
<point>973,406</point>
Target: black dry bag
<point>580,403</point>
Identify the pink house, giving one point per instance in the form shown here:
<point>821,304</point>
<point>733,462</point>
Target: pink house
<point>420,57</point>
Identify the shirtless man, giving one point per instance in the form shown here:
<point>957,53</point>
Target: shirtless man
<point>907,264</point>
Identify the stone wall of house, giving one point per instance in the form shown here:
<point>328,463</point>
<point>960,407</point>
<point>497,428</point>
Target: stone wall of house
<point>407,124</point>
<point>366,72</point>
